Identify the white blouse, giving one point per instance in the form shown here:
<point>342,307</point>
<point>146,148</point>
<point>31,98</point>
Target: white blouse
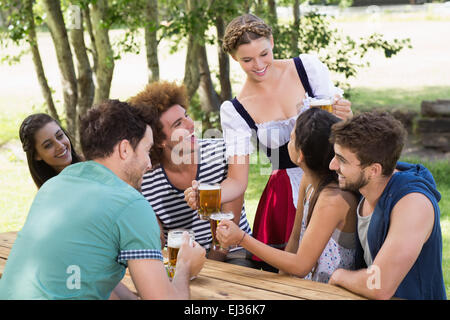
<point>273,134</point>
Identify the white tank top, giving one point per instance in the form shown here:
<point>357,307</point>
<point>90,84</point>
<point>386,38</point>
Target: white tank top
<point>363,228</point>
<point>338,253</point>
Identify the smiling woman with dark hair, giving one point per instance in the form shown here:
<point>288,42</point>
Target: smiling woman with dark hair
<point>323,237</point>
<point>47,146</point>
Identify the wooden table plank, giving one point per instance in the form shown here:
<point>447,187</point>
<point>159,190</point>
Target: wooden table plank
<point>2,266</point>
<point>207,288</point>
<point>316,290</point>
<point>245,274</point>
<point>256,283</point>
<point>4,252</point>
<point>224,281</point>
<point>8,238</point>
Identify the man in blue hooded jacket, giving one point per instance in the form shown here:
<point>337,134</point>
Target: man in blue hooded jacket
<point>398,216</point>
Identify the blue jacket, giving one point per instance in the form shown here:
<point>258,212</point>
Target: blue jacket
<point>425,279</point>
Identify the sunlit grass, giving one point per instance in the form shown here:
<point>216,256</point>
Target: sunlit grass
<point>365,99</point>
<point>17,191</point>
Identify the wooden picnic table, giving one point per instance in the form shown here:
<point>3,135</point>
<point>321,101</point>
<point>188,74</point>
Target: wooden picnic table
<point>225,281</point>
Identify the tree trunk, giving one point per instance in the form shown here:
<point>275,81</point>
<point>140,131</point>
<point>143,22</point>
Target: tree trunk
<point>105,66</point>
<point>224,63</point>
<point>92,49</point>
<point>2,19</point>
<point>259,10</point>
<point>209,99</point>
<point>273,11</point>
<point>247,5</point>
<point>197,74</point>
<point>60,39</point>
<point>37,61</point>
<point>191,70</point>
<point>86,87</point>
<point>273,17</point>
<point>295,35</point>
<point>151,41</point>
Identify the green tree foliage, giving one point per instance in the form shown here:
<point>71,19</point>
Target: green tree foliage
<point>194,24</point>
<point>340,53</point>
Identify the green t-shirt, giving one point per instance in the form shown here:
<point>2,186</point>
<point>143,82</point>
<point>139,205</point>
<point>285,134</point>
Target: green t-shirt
<point>83,226</point>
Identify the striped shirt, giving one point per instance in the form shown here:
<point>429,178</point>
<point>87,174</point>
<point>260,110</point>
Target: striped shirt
<point>168,202</point>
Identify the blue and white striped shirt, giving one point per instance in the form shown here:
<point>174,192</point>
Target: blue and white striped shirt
<point>168,202</point>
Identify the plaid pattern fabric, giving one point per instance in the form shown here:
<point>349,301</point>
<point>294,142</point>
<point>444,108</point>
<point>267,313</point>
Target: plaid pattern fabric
<point>140,254</point>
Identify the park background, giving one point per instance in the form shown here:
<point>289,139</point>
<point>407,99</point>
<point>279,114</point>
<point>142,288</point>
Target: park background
<point>417,73</point>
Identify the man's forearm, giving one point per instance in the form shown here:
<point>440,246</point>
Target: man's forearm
<point>365,282</point>
<point>181,281</point>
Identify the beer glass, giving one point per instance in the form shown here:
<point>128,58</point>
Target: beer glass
<point>174,241</point>
<point>215,219</point>
<point>323,103</point>
<point>209,199</point>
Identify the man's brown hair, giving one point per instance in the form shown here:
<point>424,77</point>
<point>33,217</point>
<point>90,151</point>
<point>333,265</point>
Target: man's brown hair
<point>152,102</point>
<point>375,137</point>
<point>107,124</point>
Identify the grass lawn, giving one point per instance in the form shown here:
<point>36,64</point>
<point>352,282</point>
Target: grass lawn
<point>366,99</point>
<point>17,191</point>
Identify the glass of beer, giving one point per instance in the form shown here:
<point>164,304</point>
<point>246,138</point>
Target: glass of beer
<point>174,241</point>
<point>209,199</point>
<point>323,103</point>
<point>215,219</point>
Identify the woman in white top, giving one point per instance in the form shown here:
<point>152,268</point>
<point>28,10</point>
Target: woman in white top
<point>323,237</point>
<point>266,109</point>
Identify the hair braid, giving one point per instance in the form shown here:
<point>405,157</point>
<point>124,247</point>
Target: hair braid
<point>242,30</point>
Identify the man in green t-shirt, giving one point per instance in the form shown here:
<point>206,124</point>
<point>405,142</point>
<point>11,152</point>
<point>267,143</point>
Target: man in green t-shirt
<point>90,222</point>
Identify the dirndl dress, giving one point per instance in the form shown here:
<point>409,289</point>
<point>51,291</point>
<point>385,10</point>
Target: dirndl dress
<point>276,210</point>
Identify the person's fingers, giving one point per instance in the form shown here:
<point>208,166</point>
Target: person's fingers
<point>225,223</point>
<point>186,238</point>
<point>190,196</point>
<point>342,109</point>
<point>187,194</point>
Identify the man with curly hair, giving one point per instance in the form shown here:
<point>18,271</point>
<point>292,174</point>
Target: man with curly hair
<point>179,157</point>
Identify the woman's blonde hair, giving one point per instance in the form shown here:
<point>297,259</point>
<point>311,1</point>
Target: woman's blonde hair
<point>242,30</point>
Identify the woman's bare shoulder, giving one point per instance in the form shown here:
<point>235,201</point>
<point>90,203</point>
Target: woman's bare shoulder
<point>334,196</point>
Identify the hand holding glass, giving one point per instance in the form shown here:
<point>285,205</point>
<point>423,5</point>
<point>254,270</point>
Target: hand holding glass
<point>209,196</point>
<point>174,242</point>
<point>215,219</point>
<point>324,104</point>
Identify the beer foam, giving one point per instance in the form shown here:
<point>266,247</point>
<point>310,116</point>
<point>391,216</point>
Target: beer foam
<point>175,242</point>
<point>222,216</point>
<point>175,239</point>
<point>208,187</point>
<point>320,102</point>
